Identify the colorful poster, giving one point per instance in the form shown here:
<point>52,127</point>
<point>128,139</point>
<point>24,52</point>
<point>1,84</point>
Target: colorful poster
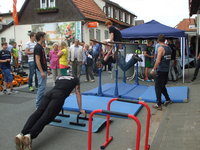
<point>57,32</point>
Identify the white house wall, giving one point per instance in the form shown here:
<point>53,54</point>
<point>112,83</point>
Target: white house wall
<point>86,34</point>
<point>100,3</point>
<point>20,36</point>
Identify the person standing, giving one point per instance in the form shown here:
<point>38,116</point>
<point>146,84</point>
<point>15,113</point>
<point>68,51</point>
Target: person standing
<point>148,53</point>
<point>196,68</point>
<point>76,58</point>
<point>5,58</point>
<point>162,67</point>
<point>54,61</point>
<point>88,63</point>
<point>41,66</point>
<point>172,74</point>
<point>32,70</point>
<point>63,61</point>
<point>96,52</point>
<point>15,54</point>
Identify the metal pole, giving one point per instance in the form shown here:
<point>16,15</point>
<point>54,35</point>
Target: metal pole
<point>197,34</point>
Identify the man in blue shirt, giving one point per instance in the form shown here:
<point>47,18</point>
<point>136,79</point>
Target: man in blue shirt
<point>5,58</point>
<point>96,51</point>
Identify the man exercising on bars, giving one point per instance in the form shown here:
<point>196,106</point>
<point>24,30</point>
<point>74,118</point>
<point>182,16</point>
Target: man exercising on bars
<point>49,108</point>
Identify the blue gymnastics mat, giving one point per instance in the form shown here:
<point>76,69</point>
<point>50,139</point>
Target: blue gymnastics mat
<point>91,103</point>
<point>177,94</point>
<point>108,89</point>
<point>97,123</point>
<point>135,93</point>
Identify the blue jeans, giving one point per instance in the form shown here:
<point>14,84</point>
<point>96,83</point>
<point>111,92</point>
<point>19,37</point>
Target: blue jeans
<point>125,65</point>
<point>31,73</point>
<point>41,87</point>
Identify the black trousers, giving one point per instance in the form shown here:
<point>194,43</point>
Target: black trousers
<point>89,72</point>
<point>48,109</point>
<point>197,68</point>
<point>160,82</point>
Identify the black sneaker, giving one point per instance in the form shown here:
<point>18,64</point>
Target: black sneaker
<point>4,91</point>
<point>157,107</point>
<point>167,102</point>
<point>194,78</point>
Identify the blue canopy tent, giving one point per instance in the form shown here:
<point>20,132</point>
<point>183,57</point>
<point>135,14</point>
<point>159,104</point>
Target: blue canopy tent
<point>153,29</point>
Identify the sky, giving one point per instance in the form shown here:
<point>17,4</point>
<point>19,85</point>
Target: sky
<point>168,12</point>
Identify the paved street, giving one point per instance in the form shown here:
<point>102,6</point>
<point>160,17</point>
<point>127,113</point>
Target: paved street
<point>175,128</point>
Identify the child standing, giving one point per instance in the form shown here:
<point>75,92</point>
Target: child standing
<point>54,61</point>
<point>88,63</point>
<point>63,61</point>
<point>5,58</point>
<point>15,54</point>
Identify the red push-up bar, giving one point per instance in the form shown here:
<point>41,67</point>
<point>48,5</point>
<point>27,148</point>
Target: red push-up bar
<point>109,139</point>
<point>113,113</point>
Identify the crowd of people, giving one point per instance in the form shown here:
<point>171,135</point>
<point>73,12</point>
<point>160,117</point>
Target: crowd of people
<point>160,57</point>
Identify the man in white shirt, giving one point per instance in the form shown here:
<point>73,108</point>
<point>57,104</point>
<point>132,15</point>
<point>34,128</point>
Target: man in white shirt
<point>75,58</point>
<point>29,51</point>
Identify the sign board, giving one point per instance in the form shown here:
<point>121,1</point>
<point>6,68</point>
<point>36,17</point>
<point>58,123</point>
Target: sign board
<point>93,24</point>
<point>61,31</point>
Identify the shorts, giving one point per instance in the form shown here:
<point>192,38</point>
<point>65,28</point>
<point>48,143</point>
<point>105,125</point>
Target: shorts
<point>148,64</point>
<point>7,75</point>
<point>63,72</point>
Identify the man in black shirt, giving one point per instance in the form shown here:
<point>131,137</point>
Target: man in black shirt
<point>49,108</point>
<point>172,73</point>
<point>41,66</point>
<point>115,34</point>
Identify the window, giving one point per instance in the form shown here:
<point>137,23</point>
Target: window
<point>192,26</point>
<point>91,31</point>
<point>117,14</point>
<point>43,3</point>
<point>121,16</point>
<point>47,3</point>
<point>109,12</point>
<point>52,3</point>
<point>132,20</point>
<point>106,34</point>
<point>98,35</point>
<point>124,18</point>
<point>128,18</point>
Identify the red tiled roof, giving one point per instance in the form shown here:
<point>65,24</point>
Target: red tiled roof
<point>184,24</point>
<point>119,22</point>
<point>90,10</point>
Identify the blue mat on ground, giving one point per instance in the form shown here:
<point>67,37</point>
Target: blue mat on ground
<point>135,93</point>
<point>108,89</point>
<point>90,103</point>
<point>97,123</point>
<point>177,94</point>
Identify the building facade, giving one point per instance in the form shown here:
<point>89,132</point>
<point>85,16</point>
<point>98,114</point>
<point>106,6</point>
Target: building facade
<point>66,20</point>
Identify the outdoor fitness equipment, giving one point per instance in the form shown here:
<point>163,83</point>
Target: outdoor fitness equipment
<point>77,123</point>
<point>108,112</point>
<point>109,139</point>
<point>62,115</point>
<point>116,92</point>
<point>113,113</point>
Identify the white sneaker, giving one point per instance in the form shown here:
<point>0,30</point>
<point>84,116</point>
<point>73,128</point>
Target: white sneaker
<point>14,92</point>
<point>27,142</point>
<point>19,142</point>
<point>92,81</point>
<point>8,92</point>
